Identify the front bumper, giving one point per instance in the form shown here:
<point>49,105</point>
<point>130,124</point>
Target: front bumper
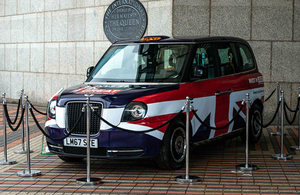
<point>112,143</point>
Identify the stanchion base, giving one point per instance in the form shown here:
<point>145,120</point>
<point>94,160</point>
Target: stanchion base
<point>93,181</point>
<point>191,179</point>
<point>277,133</point>
<point>282,157</point>
<point>8,162</point>
<point>295,147</point>
<point>26,173</point>
<point>21,151</point>
<point>250,167</point>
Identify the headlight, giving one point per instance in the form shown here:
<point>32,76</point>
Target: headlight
<point>134,111</point>
<point>52,109</point>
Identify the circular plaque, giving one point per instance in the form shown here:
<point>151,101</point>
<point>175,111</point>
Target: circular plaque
<point>125,20</point>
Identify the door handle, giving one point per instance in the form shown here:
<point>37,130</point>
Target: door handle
<point>223,92</point>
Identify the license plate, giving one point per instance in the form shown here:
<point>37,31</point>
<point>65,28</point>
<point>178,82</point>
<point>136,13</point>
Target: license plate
<point>80,142</point>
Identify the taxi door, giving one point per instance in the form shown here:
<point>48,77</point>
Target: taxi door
<point>206,83</point>
<point>234,87</point>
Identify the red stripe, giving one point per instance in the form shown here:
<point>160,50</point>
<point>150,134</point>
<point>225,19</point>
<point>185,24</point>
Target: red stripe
<point>222,110</point>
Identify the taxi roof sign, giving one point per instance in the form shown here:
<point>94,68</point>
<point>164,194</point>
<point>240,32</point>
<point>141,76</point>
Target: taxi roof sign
<point>154,38</point>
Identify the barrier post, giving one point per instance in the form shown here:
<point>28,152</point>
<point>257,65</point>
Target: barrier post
<point>28,172</point>
<point>22,150</point>
<point>278,132</point>
<point>282,156</point>
<point>187,178</point>
<point>298,147</point>
<point>5,161</point>
<point>247,166</point>
<point>88,180</point>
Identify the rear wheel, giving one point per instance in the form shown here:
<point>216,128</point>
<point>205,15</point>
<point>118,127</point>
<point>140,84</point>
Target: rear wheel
<point>255,129</point>
<point>70,159</point>
<point>173,149</point>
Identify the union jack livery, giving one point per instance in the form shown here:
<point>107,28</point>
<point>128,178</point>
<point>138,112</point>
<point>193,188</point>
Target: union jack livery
<point>140,85</point>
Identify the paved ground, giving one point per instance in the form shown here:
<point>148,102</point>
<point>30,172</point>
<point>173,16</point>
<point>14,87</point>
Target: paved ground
<point>213,163</point>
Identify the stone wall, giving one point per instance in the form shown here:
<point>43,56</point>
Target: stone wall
<point>48,44</point>
<point>272,27</point>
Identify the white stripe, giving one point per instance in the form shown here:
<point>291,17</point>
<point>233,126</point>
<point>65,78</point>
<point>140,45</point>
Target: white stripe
<point>164,108</point>
<point>134,127</point>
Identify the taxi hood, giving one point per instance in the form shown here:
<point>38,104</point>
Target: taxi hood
<point>113,95</point>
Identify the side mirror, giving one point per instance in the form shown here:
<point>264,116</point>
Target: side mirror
<point>89,71</point>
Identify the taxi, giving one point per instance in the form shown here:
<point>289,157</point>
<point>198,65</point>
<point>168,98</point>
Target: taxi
<point>139,85</point>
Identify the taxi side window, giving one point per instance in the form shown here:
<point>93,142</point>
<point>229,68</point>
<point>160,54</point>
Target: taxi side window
<point>246,58</point>
<point>227,58</point>
<point>203,65</point>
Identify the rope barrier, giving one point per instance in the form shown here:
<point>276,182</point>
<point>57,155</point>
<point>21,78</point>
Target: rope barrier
<point>297,107</point>
<point>287,119</point>
<point>142,131</point>
<point>42,113</point>
<point>273,118</point>
<point>295,112</point>
<point>16,117</point>
<point>9,121</point>
<point>48,136</point>
<point>222,127</point>
<point>271,94</point>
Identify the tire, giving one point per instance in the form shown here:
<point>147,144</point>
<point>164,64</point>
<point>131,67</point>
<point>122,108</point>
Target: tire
<point>255,129</point>
<point>70,159</point>
<point>173,149</point>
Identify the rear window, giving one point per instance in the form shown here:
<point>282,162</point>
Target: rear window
<point>246,58</point>
<point>227,58</point>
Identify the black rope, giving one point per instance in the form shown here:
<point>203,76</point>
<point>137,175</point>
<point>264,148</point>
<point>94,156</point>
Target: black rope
<point>43,113</point>
<point>16,117</point>
<point>222,127</point>
<point>48,136</point>
<point>297,107</point>
<point>9,122</point>
<point>295,114</point>
<point>271,94</point>
<point>273,118</point>
<point>143,131</point>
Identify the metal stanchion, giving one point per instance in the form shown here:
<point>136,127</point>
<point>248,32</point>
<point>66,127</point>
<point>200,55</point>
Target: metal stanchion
<point>278,132</point>
<point>88,180</point>
<point>187,178</point>
<point>247,166</point>
<point>22,150</point>
<point>28,172</point>
<point>5,161</point>
<point>298,147</point>
<point>282,156</point>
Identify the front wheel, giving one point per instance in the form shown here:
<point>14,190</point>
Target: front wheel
<point>173,149</point>
<point>255,129</point>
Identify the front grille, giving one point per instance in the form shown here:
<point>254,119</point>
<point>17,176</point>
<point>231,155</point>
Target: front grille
<point>101,151</point>
<point>74,110</point>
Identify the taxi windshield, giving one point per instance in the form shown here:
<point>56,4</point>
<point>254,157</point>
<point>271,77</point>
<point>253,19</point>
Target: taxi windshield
<point>141,63</point>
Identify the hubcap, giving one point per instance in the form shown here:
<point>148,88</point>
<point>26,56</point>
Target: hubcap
<point>256,127</point>
<point>177,144</point>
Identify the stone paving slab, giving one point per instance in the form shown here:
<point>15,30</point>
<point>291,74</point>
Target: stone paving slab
<point>214,163</point>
